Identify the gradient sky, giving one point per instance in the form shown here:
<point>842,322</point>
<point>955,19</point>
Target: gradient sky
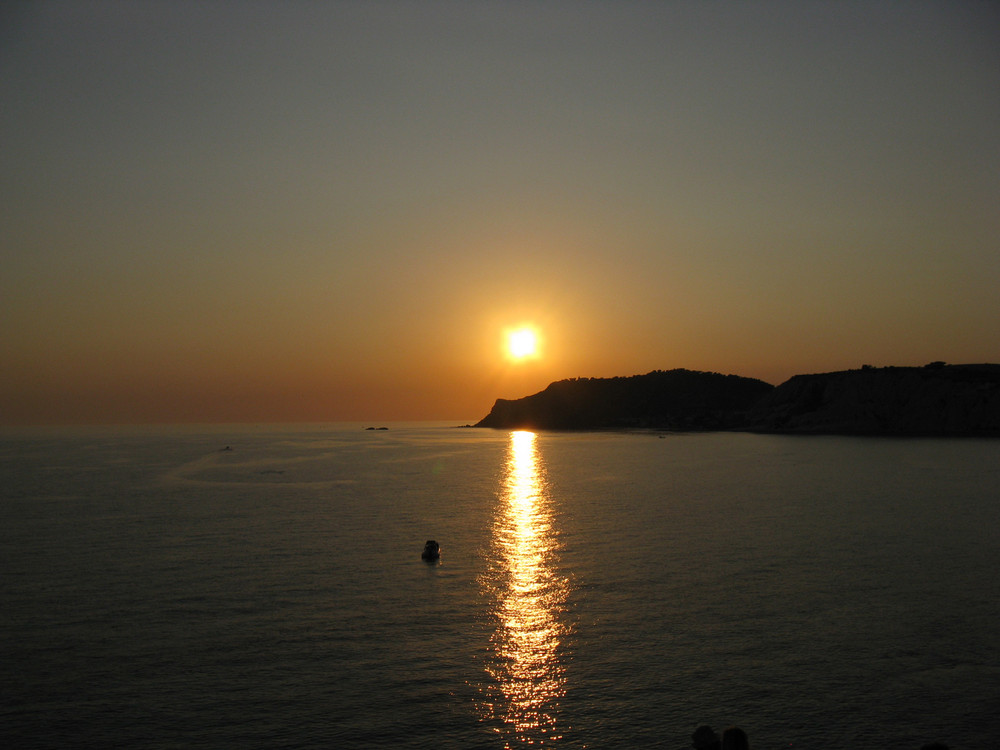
<point>311,211</point>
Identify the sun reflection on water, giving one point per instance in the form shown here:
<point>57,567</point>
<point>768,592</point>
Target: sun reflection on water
<point>528,600</point>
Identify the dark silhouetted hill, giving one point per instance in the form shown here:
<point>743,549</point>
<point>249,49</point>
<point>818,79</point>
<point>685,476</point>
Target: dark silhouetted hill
<point>673,399</point>
<point>937,399</point>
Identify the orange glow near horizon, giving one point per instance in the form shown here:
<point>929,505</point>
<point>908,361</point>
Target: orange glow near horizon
<point>377,261</point>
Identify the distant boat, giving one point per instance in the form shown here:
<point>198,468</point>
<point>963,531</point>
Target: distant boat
<point>432,551</point>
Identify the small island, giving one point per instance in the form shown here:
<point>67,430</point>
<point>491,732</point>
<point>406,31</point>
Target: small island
<point>937,399</point>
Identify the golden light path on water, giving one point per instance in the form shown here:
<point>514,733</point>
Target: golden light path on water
<point>528,600</point>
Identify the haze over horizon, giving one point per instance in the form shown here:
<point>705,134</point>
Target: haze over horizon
<point>254,212</point>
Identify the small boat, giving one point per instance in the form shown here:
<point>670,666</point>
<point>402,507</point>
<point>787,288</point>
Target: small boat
<point>432,551</point>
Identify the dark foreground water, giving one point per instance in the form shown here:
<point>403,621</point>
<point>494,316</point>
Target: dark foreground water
<point>595,590</point>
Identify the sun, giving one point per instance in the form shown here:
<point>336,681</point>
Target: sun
<point>522,343</point>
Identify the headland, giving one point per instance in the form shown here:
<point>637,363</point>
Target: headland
<point>934,400</point>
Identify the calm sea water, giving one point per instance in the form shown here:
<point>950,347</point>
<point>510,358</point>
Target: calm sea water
<point>600,590</point>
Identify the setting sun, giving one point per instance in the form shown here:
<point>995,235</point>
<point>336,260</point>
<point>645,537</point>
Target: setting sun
<point>522,343</point>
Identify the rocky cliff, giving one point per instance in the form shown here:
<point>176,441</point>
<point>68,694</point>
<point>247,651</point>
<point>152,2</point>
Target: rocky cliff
<point>937,399</point>
<point>673,399</point>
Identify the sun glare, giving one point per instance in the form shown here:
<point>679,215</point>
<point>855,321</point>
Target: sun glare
<point>522,343</point>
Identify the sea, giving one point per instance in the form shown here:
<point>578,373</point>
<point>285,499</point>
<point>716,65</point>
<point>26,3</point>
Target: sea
<point>263,586</point>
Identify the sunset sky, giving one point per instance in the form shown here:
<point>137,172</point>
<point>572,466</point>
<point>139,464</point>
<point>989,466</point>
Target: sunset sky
<point>310,211</point>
